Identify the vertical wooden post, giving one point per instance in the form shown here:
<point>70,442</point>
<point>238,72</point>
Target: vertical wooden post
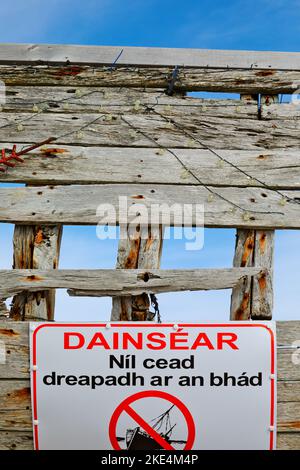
<point>262,289</point>
<point>35,247</point>
<point>253,298</point>
<point>141,249</point>
<point>241,293</point>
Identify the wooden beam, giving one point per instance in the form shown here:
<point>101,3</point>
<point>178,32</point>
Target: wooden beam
<point>240,308</point>
<point>253,297</point>
<point>262,286</point>
<point>111,282</point>
<point>107,55</point>
<point>229,207</point>
<point>53,164</point>
<point>35,247</point>
<point>140,248</point>
<point>149,129</point>
<point>118,100</point>
<point>189,79</point>
<point>241,296</point>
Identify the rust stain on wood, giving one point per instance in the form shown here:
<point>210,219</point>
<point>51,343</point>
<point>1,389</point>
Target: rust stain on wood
<point>240,312</point>
<point>33,278</point>
<point>138,196</point>
<point>21,395</point>
<point>68,71</point>
<point>262,282</point>
<point>39,237</point>
<point>132,258</point>
<point>265,73</point>
<point>248,250</point>
<point>149,243</point>
<point>262,242</point>
<point>290,424</point>
<point>48,152</point>
<point>8,332</point>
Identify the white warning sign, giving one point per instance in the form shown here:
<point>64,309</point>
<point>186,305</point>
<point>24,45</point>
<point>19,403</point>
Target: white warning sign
<point>147,386</point>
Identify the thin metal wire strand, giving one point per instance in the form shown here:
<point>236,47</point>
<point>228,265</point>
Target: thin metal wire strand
<point>208,188</point>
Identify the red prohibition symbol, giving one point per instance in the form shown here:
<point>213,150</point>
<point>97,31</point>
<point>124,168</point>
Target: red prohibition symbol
<point>125,407</point>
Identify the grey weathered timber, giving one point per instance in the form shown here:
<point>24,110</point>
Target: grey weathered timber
<point>240,308</point>
<point>262,287</point>
<point>140,248</point>
<point>118,100</point>
<point>106,55</point>
<point>111,282</point>
<point>253,297</point>
<point>15,405</point>
<point>285,111</point>
<point>150,129</point>
<point>229,207</point>
<point>189,79</point>
<point>57,164</point>
<point>35,247</point>
<point>241,295</point>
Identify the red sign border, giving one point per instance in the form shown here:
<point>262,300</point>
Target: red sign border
<point>150,325</point>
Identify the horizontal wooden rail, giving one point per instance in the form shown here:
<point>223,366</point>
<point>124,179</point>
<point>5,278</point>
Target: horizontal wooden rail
<point>261,208</point>
<point>116,101</point>
<point>65,164</point>
<point>189,79</point>
<point>185,128</point>
<point>15,405</point>
<point>111,282</point>
<point>149,56</point>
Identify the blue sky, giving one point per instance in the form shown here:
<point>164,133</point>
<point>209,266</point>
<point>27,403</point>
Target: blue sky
<point>261,25</point>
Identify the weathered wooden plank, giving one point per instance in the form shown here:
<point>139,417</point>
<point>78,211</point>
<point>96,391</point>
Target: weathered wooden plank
<point>120,281</point>
<point>288,391</point>
<point>192,79</point>
<point>287,370</point>
<point>16,440</point>
<point>288,417</point>
<point>140,248</point>
<point>120,100</point>
<point>283,111</point>
<point>151,129</point>
<point>15,336</point>
<point>35,247</point>
<point>288,441</point>
<point>54,164</point>
<point>159,204</point>
<point>106,55</point>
